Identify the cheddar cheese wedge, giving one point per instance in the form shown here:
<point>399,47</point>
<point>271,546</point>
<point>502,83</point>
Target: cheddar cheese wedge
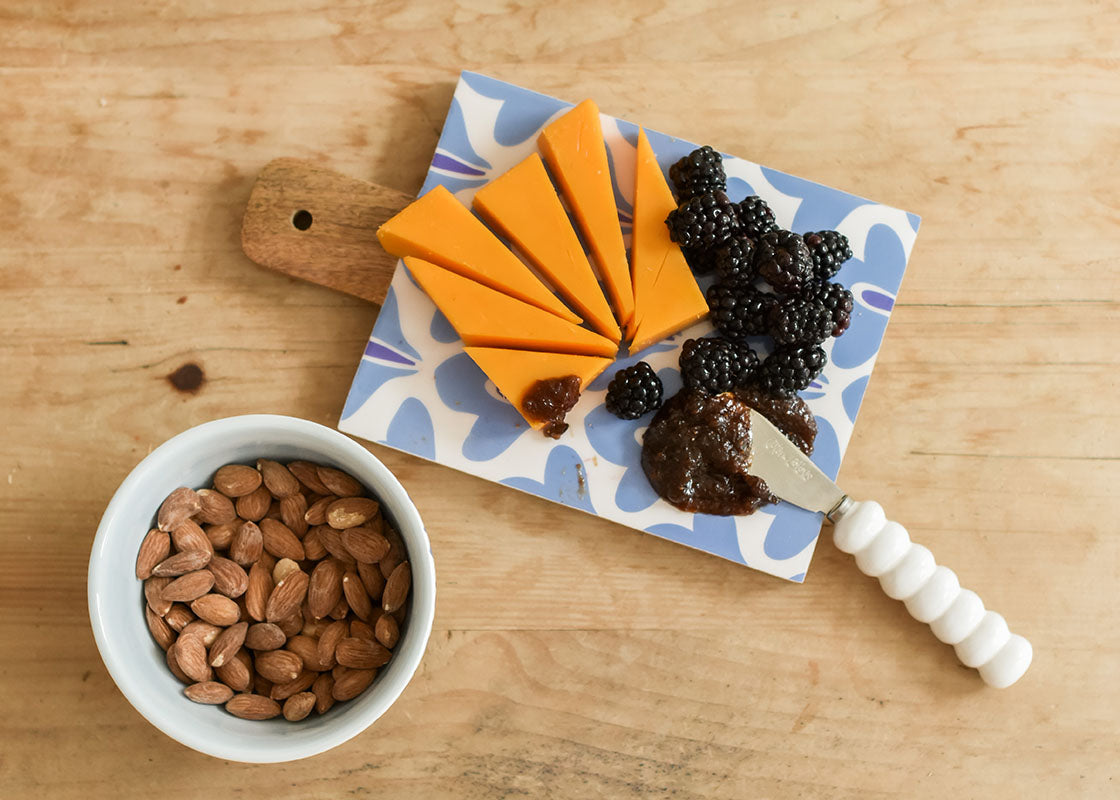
<point>515,372</point>
<point>438,228</point>
<point>577,156</point>
<point>484,317</point>
<point>666,297</point>
<point>522,206</point>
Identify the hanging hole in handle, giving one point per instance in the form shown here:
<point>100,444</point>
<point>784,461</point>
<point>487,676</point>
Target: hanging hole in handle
<point>302,219</point>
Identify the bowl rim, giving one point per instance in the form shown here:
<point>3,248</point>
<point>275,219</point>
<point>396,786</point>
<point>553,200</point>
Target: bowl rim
<point>389,689</point>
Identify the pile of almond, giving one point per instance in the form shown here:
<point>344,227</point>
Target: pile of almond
<point>280,590</point>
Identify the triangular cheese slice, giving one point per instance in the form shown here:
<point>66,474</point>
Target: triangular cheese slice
<point>577,156</point>
<point>522,206</point>
<point>486,318</point>
<point>515,372</point>
<point>666,296</point>
<point>438,228</point>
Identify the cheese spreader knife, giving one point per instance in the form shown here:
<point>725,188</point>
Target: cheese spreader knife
<point>882,549</point>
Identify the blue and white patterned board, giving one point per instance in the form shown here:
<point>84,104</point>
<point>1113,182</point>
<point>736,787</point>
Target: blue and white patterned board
<point>417,391</point>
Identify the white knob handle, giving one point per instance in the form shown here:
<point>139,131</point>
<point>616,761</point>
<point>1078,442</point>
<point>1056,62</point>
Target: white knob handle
<point>932,594</point>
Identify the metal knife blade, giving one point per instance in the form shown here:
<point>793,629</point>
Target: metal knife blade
<point>787,471</point>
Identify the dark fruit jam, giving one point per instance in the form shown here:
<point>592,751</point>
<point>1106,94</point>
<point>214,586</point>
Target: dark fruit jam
<point>549,400</point>
<point>790,415</point>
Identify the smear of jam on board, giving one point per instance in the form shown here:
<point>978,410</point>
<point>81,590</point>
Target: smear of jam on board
<point>549,400</point>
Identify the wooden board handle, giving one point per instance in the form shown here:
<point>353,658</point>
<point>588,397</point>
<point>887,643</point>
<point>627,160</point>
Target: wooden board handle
<point>320,226</point>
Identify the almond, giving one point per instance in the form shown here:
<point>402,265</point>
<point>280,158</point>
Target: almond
<point>178,617</point>
<point>387,631</point>
<point>308,474</point>
<point>280,482</point>
<point>325,587</point>
<point>273,511</point>
<point>264,636</point>
<point>280,541</point>
<point>287,597</point>
<point>209,692</point>
<point>182,563</point>
<point>356,596</point>
<point>267,560</point>
<point>188,536</point>
<point>396,552</point>
<point>338,482</point>
<point>153,593</point>
<point>260,587</point>
<point>362,630</point>
<point>323,690</point>
<point>160,630</point>
<point>312,627</point>
<point>235,674</point>
<point>190,652</point>
<point>217,509</point>
<point>247,544</point>
<point>255,505</point>
<point>307,649</point>
<point>154,549</point>
<point>316,513</point>
<point>253,706</point>
<point>366,545</point>
<point>361,653</point>
<point>236,480</point>
<point>341,610</point>
<point>313,545</point>
<point>217,609</point>
<point>302,682</point>
<point>205,632</point>
<point>278,666</point>
<point>173,666</point>
<point>284,567</point>
<point>292,511</point>
<point>373,580</point>
<point>396,588</point>
<point>347,512</point>
<point>352,682</point>
<point>228,642</point>
<point>332,541</point>
<point>291,625</point>
<point>189,587</point>
<point>298,706</point>
<point>328,641</point>
<point>221,536</point>
<point>180,505</point>
<point>229,578</point>
<point>261,685</point>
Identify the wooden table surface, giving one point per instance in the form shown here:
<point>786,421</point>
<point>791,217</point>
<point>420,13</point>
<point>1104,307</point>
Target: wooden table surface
<point>572,657</point>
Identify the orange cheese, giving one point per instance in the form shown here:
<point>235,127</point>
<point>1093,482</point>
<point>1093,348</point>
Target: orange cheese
<point>666,297</point>
<point>523,207</point>
<point>574,149</point>
<point>515,372</point>
<point>487,318</point>
<point>438,228</point>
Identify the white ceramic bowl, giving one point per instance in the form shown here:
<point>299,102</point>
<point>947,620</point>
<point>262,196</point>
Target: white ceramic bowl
<point>116,601</point>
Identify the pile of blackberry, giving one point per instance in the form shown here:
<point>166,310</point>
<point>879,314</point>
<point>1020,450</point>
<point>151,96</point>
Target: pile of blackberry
<point>769,282</point>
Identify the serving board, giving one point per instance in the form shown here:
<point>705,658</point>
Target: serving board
<point>417,391</point>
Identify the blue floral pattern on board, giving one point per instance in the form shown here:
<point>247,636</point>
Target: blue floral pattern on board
<point>416,390</point>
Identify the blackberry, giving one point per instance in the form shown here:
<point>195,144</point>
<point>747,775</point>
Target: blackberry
<point>829,250</point>
<point>704,222</point>
<point>716,365</point>
<point>783,260</point>
<point>700,172</point>
<point>799,320</point>
<point>634,391</point>
<point>701,261</point>
<point>734,262</point>
<point>739,311</point>
<point>790,368</point>
<point>836,299</point>
<point>755,216</point>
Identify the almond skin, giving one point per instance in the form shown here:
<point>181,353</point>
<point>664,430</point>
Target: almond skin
<point>323,689</point>
<point>153,593</point>
<point>316,513</point>
<point>338,482</point>
<point>227,644</point>
<point>235,674</point>
<point>348,512</point>
<point>302,682</point>
<point>173,666</point>
<point>361,654</point>
<point>217,509</point>
<point>257,594</point>
<point>373,580</point>
<point>396,550</point>
<point>264,636</point>
<point>221,536</point>
<point>325,588</point>
<point>307,649</point>
<point>236,480</point>
<point>202,630</point>
<point>362,630</point>
<point>190,652</point>
<point>178,617</point>
<point>160,630</point>
<point>396,588</point>
<point>292,511</point>
<point>189,587</point>
<point>180,505</point>
<point>352,682</point>
<point>209,693</point>
<point>366,545</point>
<point>217,609</point>
<point>154,549</point>
<point>313,546</point>
<point>253,706</point>
<point>188,536</point>
<point>298,706</point>
<point>292,625</point>
<point>279,540</point>
<point>356,596</point>
<point>308,474</point>
<point>341,610</point>
<point>328,641</point>
<point>287,597</point>
<point>279,481</point>
<point>387,631</point>
<point>247,544</point>
<point>254,506</point>
<point>332,541</point>
<point>229,578</point>
<point>278,666</point>
<point>284,567</point>
<point>182,563</point>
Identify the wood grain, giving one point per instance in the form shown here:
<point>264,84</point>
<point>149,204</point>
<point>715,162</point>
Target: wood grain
<point>571,657</point>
